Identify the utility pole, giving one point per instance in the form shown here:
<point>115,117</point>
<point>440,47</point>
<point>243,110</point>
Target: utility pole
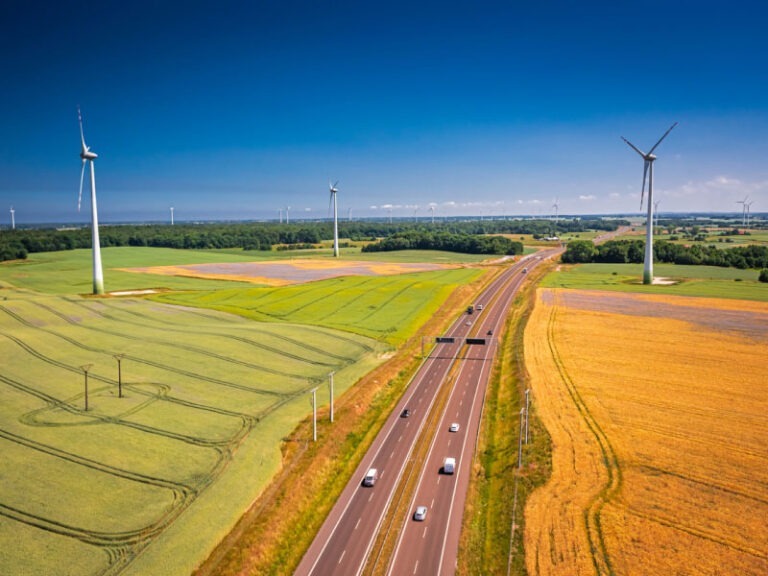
<point>85,368</point>
<point>527,410</point>
<point>314,414</point>
<point>520,443</point>
<point>330,384</point>
<point>119,358</point>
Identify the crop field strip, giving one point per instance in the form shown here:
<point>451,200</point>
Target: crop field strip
<point>683,400</point>
<point>48,339</point>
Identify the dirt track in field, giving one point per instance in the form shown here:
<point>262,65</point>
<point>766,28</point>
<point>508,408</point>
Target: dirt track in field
<point>745,318</point>
<point>285,272</point>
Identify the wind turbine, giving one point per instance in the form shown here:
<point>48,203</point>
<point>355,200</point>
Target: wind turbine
<point>432,209</point>
<point>87,155</point>
<point>749,206</point>
<point>648,172</point>
<point>333,191</point>
<point>656,212</point>
<point>287,216</point>
<point>743,210</point>
<point>13,219</point>
<point>171,215</point>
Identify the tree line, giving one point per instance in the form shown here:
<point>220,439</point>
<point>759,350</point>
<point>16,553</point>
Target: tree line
<point>443,240</point>
<point>633,251</point>
<point>16,244</point>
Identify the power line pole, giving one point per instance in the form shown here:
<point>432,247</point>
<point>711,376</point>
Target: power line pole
<point>330,384</point>
<point>527,410</point>
<point>520,440</point>
<point>119,358</point>
<point>314,414</point>
<point>85,368</point>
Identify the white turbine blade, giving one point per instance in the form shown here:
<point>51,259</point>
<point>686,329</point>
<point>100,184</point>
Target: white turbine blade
<point>645,174</point>
<point>80,196</point>
<point>82,136</point>
<point>662,138</point>
<point>635,148</point>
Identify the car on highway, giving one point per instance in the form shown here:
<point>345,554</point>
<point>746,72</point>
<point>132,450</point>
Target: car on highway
<point>405,413</point>
<point>454,427</point>
<point>371,477</point>
<point>449,465</point>
<point>490,332</point>
<point>420,514</point>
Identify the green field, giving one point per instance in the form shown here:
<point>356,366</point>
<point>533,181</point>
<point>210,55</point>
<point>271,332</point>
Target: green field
<point>708,281</point>
<point>149,482</point>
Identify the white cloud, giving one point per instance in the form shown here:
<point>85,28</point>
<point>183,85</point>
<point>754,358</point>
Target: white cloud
<point>587,197</point>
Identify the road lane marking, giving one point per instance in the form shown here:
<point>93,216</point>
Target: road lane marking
<point>357,523</point>
<point>401,437</point>
<point>416,567</point>
<point>392,454</point>
<point>342,556</point>
<point>425,532</point>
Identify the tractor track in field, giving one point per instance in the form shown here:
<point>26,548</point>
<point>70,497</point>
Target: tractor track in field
<point>164,326</point>
<point>179,371</point>
<point>600,557</point>
<point>185,347</point>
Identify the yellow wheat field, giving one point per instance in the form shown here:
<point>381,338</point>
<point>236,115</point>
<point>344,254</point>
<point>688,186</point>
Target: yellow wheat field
<point>658,411</point>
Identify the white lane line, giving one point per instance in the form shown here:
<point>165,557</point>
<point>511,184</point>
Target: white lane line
<point>425,532</point>
<point>342,556</point>
<point>357,523</point>
<point>371,496</point>
<point>391,454</point>
<point>416,567</point>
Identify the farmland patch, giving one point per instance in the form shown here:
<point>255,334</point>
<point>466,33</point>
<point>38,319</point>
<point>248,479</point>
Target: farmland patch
<point>656,409</point>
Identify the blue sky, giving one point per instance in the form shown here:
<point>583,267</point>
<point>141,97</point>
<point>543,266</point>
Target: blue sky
<point>232,110</point>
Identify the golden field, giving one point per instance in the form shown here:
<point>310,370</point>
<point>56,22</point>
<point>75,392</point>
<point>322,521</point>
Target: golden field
<point>658,412</point>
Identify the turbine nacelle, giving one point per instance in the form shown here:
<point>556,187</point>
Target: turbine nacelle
<point>86,154</point>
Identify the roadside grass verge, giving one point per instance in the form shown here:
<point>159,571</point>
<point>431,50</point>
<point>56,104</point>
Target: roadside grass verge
<point>707,281</point>
<point>492,529</point>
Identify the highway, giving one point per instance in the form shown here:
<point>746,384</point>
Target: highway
<point>344,543</point>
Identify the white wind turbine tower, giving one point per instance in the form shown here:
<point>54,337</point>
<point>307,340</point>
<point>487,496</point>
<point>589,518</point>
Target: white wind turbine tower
<point>87,155</point>
<point>432,209</point>
<point>656,213</point>
<point>749,206</point>
<point>171,215</point>
<point>648,172</point>
<point>13,219</point>
<point>743,210</point>
<point>333,191</point>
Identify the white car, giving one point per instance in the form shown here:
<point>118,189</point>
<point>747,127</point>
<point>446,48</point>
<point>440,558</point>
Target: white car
<point>454,427</point>
<point>420,514</point>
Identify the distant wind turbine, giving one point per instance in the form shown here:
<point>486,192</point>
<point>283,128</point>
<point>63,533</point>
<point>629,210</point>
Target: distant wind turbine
<point>432,209</point>
<point>749,207</point>
<point>648,172</point>
<point>13,219</point>
<point>171,215</point>
<point>88,156</point>
<point>332,198</point>
<point>656,213</point>
<point>349,214</point>
<point>287,214</point>
<point>743,210</point>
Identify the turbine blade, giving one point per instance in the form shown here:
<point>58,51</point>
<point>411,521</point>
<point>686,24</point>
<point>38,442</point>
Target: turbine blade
<point>635,148</point>
<point>82,136</point>
<point>80,196</point>
<point>662,138</point>
<point>642,190</point>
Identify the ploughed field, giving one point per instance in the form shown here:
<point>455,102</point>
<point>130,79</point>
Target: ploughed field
<point>657,410</point>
